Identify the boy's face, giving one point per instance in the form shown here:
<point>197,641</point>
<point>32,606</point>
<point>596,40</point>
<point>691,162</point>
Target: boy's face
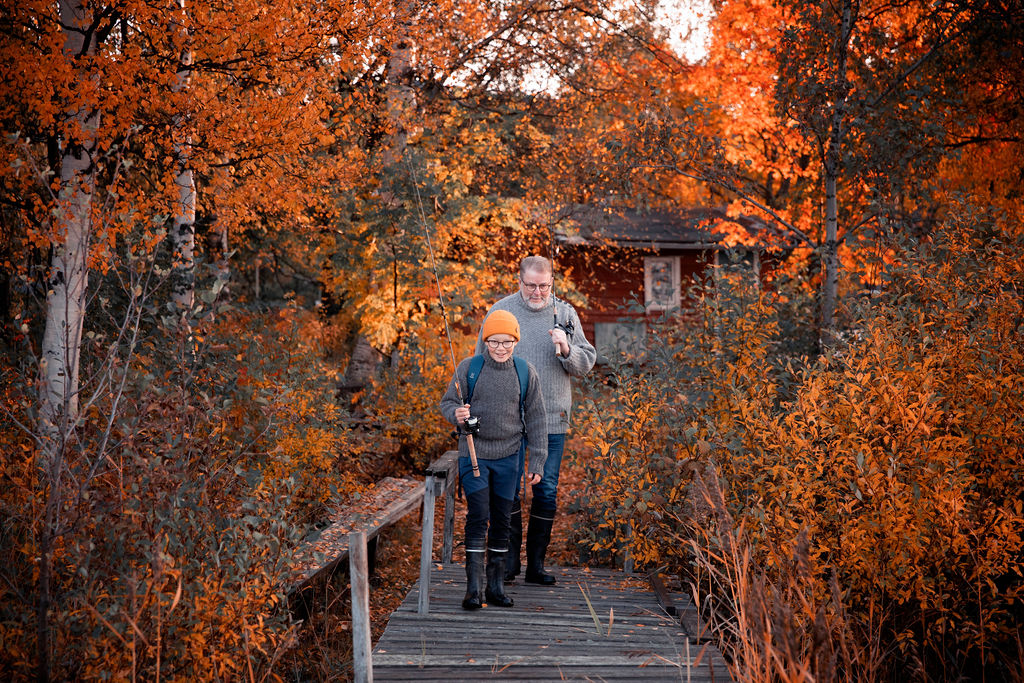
<point>501,346</point>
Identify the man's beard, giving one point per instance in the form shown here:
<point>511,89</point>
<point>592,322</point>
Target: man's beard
<point>537,306</point>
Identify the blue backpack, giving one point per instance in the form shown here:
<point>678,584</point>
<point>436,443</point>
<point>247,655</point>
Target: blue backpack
<point>476,364</point>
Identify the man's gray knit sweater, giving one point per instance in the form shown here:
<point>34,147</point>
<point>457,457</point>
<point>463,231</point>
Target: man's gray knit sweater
<point>496,403</point>
<point>535,346</point>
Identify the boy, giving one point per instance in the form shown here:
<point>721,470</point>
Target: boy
<point>506,416</point>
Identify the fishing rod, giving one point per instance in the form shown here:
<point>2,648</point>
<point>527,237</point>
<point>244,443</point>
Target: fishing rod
<point>472,424</point>
<point>566,326</point>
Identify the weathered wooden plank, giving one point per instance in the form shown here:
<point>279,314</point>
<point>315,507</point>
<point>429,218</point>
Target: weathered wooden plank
<point>535,675</point>
<point>448,530</point>
<point>426,546</point>
<point>615,638</point>
<point>391,500</point>
<point>549,635</point>
<point>640,659</point>
<point>448,465</point>
<point>444,467</point>
<point>661,592</point>
<point>439,481</point>
<point>362,665</point>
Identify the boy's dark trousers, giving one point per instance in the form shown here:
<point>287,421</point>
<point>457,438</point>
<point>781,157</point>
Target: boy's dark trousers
<point>485,506</point>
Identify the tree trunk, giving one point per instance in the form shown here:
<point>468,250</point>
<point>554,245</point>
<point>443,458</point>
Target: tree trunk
<point>833,160</point>
<point>362,365</point>
<point>829,256</point>
<point>401,104</point>
<point>183,232</point>
<point>65,313</point>
<point>68,276</point>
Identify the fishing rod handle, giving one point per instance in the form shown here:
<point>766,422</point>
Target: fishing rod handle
<point>472,455</point>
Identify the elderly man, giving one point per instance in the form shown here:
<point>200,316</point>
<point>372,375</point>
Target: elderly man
<point>552,340</point>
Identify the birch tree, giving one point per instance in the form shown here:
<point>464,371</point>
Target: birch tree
<point>400,104</point>
<point>183,230</point>
<point>68,276</point>
<point>866,84</point>
<point>65,300</point>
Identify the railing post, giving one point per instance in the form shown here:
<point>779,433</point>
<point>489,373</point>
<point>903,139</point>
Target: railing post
<point>427,545</point>
<point>359,577</point>
<point>449,523</point>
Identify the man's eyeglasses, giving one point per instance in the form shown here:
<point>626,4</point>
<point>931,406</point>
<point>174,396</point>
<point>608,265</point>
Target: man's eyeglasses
<point>532,287</point>
<point>494,344</point>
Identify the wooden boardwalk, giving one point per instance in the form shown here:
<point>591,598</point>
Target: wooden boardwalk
<point>550,635</point>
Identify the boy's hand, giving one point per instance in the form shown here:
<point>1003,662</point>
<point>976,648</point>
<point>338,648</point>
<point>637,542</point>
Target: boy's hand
<point>533,478</point>
<point>462,414</point>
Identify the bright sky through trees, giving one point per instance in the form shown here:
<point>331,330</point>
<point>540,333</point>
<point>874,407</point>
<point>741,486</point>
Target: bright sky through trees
<point>688,26</point>
<point>686,22</point>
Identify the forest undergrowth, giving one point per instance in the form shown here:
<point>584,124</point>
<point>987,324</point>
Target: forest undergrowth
<point>851,516</point>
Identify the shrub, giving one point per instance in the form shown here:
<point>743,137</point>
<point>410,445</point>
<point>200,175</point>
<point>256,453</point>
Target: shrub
<point>179,499</point>
<point>897,456</point>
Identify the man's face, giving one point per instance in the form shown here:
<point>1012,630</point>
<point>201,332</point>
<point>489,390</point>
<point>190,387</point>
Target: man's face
<point>535,287</point>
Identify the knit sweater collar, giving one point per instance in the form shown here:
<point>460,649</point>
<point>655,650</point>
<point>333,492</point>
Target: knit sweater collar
<point>491,363</point>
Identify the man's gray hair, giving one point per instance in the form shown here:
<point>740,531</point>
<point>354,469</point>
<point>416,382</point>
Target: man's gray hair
<point>538,263</point>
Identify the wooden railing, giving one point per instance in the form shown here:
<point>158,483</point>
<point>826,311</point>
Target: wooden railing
<point>353,534</point>
<point>439,481</point>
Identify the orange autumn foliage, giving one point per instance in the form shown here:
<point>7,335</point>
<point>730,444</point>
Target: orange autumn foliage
<point>896,458</point>
<point>176,562</point>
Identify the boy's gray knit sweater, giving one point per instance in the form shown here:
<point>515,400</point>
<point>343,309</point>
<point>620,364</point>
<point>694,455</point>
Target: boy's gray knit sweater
<point>496,403</point>
<point>535,346</point>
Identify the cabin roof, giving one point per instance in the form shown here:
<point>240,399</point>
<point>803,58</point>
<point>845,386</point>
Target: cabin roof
<point>652,229</point>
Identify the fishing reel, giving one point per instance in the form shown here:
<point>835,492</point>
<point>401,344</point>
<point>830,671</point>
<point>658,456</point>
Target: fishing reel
<point>472,425</point>
<point>567,326</point>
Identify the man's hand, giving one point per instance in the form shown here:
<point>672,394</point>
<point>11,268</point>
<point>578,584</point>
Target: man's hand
<point>560,341</point>
<point>462,414</point>
<point>533,478</point>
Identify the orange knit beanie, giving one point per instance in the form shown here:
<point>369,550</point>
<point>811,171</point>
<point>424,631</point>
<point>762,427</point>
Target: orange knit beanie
<point>501,322</point>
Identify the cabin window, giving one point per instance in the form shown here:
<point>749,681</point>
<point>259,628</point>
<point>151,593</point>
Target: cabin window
<point>746,262</point>
<point>737,273</point>
<point>621,338</point>
<point>661,282</point>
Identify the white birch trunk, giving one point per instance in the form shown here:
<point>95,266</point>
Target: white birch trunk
<point>183,231</point>
<point>68,276</point>
<point>67,281</point>
<point>830,255</point>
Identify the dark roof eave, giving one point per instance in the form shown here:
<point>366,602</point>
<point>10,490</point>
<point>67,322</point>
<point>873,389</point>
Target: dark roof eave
<point>641,244</point>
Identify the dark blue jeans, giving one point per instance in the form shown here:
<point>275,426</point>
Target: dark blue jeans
<point>545,493</point>
<point>488,501</point>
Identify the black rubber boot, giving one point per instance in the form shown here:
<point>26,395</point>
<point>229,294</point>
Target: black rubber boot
<point>474,580</point>
<point>515,544</point>
<point>538,535</point>
<point>495,592</point>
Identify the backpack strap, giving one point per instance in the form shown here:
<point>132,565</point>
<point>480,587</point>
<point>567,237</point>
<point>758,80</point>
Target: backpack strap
<point>476,364</point>
<point>523,371</point>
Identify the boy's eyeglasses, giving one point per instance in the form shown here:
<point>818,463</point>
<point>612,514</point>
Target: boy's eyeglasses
<point>532,287</point>
<point>500,344</point>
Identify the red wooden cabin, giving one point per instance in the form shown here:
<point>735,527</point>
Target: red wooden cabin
<point>632,265</point>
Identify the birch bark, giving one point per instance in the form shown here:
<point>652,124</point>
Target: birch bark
<point>183,232</point>
<point>65,312</point>
<point>72,225</point>
<point>830,251</point>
